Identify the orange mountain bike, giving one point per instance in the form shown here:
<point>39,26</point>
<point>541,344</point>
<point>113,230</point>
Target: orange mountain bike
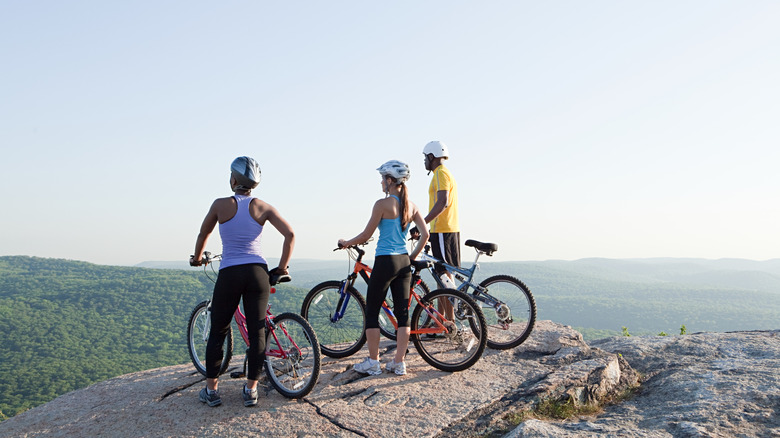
<point>337,311</point>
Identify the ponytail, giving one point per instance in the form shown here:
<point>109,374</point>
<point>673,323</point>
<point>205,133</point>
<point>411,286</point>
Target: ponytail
<point>405,214</point>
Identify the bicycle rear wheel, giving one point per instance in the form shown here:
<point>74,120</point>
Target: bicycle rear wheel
<point>343,336</point>
<point>292,356</point>
<point>198,336</point>
<point>386,326</point>
<point>462,345</point>
<point>509,324</point>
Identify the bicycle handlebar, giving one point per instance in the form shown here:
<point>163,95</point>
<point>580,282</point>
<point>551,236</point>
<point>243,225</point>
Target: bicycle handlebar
<point>354,247</point>
<point>273,276</point>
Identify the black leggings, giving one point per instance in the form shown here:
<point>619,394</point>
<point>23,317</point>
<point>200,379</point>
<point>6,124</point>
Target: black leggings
<point>393,272</point>
<point>250,282</point>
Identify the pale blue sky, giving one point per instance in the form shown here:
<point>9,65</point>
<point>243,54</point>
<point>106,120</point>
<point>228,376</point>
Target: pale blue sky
<point>577,129</point>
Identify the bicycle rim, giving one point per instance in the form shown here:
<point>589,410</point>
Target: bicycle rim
<point>292,356</point>
<point>198,335</point>
<point>508,326</point>
<point>345,336</point>
<point>462,345</point>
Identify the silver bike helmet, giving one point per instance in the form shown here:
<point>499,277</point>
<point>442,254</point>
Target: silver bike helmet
<point>437,148</point>
<point>397,169</point>
<point>246,171</point>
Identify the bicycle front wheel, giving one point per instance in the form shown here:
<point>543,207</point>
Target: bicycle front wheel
<point>386,327</point>
<point>292,356</point>
<point>510,321</point>
<point>461,345</point>
<point>338,319</point>
<point>198,336</point>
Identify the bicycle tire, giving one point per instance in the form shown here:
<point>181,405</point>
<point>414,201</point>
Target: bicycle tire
<point>297,374</point>
<point>198,336</point>
<point>386,327</point>
<point>463,346</point>
<point>341,338</point>
<point>522,307</point>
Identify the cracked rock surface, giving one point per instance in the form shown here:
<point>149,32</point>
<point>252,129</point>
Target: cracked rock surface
<point>553,362</point>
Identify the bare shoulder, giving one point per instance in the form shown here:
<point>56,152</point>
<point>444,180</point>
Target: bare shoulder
<point>385,204</point>
<point>221,203</point>
<point>261,205</point>
<point>262,211</point>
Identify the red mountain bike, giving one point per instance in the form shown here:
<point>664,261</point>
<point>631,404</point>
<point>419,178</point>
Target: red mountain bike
<point>292,356</point>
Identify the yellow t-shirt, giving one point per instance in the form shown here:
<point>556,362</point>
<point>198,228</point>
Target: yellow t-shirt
<point>447,221</point>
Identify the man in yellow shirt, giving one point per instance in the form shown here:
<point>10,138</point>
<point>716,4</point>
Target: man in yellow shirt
<point>442,206</point>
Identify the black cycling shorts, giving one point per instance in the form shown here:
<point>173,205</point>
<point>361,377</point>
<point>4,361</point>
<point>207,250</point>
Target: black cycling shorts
<point>392,272</point>
<point>446,247</point>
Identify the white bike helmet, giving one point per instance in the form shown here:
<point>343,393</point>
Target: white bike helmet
<point>437,148</point>
<point>246,171</point>
<point>398,170</point>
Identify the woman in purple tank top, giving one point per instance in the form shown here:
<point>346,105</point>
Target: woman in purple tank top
<point>243,273</point>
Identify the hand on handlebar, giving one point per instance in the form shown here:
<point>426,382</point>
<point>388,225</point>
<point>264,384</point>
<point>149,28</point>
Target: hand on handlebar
<point>279,275</point>
<point>205,259</point>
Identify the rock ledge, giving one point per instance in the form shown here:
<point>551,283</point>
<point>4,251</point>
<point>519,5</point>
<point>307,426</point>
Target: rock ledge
<point>699,385</point>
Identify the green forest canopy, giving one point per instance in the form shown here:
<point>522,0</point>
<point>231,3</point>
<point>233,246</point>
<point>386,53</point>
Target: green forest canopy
<point>69,324</point>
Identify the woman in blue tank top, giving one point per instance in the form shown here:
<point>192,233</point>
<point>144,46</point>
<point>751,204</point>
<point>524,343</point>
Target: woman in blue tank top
<point>392,215</point>
<point>243,273</point>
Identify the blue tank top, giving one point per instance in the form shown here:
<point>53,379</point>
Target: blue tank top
<point>241,237</point>
<point>392,238</point>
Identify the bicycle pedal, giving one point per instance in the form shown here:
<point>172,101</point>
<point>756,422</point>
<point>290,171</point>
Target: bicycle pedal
<point>237,375</point>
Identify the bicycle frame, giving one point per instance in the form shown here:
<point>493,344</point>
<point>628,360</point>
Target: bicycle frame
<point>240,319</point>
<point>463,275</point>
<point>436,317</point>
<point>364,271</point>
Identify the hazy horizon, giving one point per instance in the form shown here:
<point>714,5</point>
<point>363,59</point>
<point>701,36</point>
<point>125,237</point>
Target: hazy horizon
<point>576,130</point>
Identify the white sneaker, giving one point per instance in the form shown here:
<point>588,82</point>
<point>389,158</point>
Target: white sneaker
<point>396,367</point>
<point>368,366</point>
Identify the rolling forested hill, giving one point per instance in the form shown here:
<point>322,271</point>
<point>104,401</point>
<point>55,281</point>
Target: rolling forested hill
<point>67,324</point>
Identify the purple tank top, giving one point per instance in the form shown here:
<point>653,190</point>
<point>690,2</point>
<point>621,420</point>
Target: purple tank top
<point>241,237</point>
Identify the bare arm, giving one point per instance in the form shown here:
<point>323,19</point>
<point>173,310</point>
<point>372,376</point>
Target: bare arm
<point>424,234</point>
<point>209,222</point>
<point>284,228</point>
<point>442,200</point>
<point>373,222</point>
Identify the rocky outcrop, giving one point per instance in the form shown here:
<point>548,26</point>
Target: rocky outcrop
<point>707,384</point>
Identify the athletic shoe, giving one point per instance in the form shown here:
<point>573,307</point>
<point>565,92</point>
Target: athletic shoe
<point>210,398</point>
<point>250,397</point>
<point>368,366</point>
<point>396,367</point>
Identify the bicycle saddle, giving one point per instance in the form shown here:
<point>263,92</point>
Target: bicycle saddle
<point>277,278</point>
<point>487,248</point>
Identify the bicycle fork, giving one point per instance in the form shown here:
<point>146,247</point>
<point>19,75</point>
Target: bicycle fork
<point>341,306</point>
<point>207,325</point>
